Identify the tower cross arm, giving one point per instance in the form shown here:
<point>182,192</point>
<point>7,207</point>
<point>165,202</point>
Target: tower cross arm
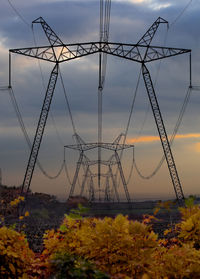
<point>148,36</point>
<point>51,35</point>
<point>155,53</point>
<point>59,53</point>
<point>141,53</point>
<point>43,53</point>
<point>134,52</point>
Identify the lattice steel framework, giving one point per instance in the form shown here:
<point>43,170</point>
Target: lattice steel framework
<point>142,52</point>
<point>84,161</point>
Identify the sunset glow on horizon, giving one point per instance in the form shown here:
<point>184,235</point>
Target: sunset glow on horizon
<point>147,139</point>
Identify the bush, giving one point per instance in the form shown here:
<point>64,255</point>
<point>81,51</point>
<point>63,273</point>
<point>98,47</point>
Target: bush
<point>116,246</point>
<point>91,248</point>
<point>69,266</point>
<point>189,228</point>
<point>176,263</point>
<point>15,255</point>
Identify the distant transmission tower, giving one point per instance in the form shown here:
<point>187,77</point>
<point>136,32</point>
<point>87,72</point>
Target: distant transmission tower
<point>142,52</point>
<point>100,193</point>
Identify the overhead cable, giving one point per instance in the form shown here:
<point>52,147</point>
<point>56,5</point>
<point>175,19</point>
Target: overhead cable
<point>178,123</point>
<point>31,26</point>
<point>13,99</point>
<point>64,92</point>
<point>155,84</point>
<point>43,83</point>
<point>146,113</point>
<point>128,125</point>
<point>66,169</point>
<point>181,13</point>
<point>23,129</point>
<point>67,102</point>
<point>18,14</point>
<point>105,7</point>
<point>186,100</point>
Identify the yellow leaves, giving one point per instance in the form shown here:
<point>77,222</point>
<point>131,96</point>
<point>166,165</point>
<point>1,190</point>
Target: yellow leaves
<point>166,205</point>
<point>189,229</point>
<point>118,246</point>
<point>122,248</point>
<point>14,252</point>
<point>166,232</point>
<point>156,210</point>
<point>147,219</point>
<point>187,212</point>
<point>26,214</point>
<point>16,201</point>
<point>12,268</point>
<point>176,262</point>
<point>25,276</point>
<point>13,203</point>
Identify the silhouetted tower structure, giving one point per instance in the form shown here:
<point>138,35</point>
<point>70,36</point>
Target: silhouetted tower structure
<point>142,52</point>
<point>83,161</point>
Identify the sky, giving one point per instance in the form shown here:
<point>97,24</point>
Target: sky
<point>78,21</point>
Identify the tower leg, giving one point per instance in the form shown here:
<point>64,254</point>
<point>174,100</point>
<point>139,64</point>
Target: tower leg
<point>163,134</point>
<point>91,190</point>
<point>114,184</point>
<point>84,181</point>
<point>40,130</point>
<point>122,177</point>
<point>76,174</point>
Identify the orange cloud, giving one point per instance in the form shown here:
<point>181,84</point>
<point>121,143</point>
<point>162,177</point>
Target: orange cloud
<point>145,139</point>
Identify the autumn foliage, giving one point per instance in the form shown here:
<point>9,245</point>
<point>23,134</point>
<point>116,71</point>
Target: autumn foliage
<point>15,255</point>
<point>107,248</point>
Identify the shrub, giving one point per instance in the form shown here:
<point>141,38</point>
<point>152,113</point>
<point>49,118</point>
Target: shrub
<point>176,263</point>
<point>69,266</point>
<point>189,228</point>
<point>15,255</point>
<point>116,246</point>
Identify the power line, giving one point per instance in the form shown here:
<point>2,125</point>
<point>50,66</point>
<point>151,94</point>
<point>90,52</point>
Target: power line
<point>186,100</point>
<point>64,92</point>
<point>16,108</point>
<point>178,123</point>
<point>127,128</point>
<point>146,112</point>
<point>181,13</point>
<point>25,134</point>
<point>43,83</point>
<point>42,77</point>
<point>67,102</point>
<point>18,13</point>
<point>158,70</point>
<point>155,84</point>
<point>104,29</point>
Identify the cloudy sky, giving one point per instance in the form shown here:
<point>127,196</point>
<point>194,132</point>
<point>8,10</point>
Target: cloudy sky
<point>78,21</point>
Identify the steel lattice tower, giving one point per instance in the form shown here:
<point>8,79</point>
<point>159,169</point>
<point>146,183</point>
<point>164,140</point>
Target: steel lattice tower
<point>143,52</point>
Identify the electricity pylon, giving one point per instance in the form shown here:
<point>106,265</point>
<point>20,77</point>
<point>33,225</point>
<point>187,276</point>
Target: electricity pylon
<point>86,164</point>
<point>142,52</point>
